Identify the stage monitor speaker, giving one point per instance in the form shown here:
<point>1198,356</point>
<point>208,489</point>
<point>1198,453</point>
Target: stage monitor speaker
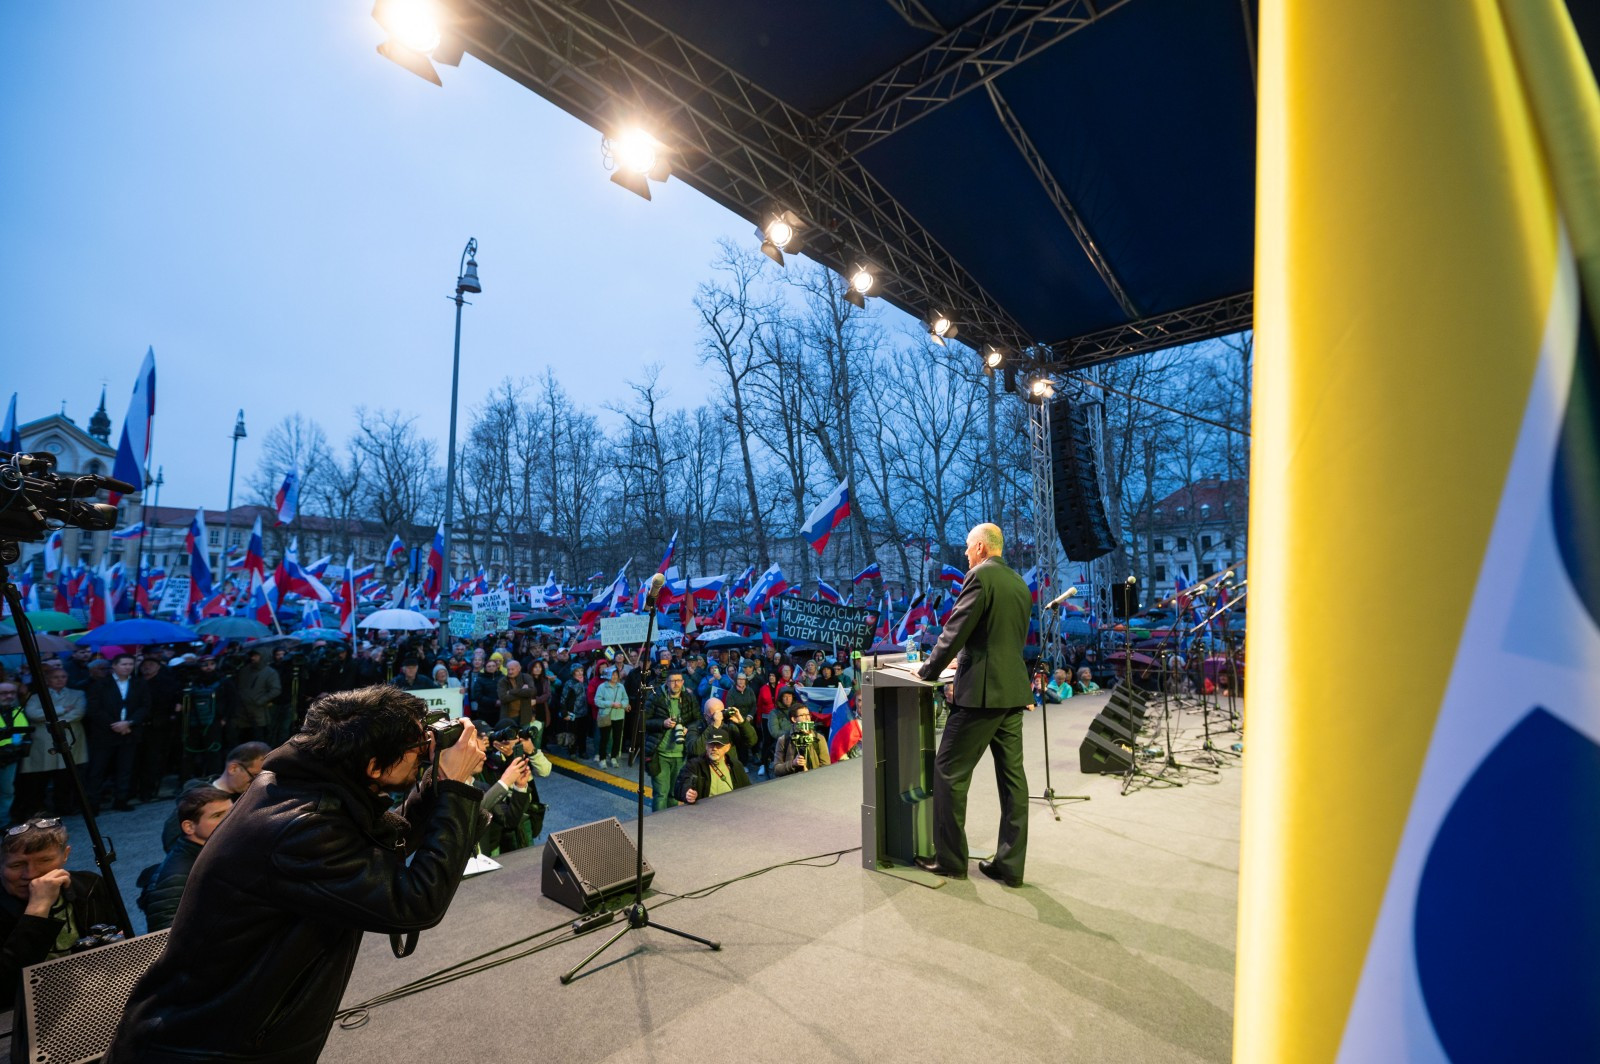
<point>1126,719</point>
<point>1080,515</point>
<point>1129,701</point>
<point>1114,729</point>
<point>71,1006</point>
<point>1099,754</point>
<point>587,866</point>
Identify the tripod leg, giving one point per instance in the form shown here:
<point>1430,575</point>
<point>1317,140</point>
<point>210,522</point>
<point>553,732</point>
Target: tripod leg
<point>570,975</point>
<point>711,943</point>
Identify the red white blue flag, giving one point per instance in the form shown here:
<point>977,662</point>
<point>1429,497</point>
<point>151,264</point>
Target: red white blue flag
<point>287,501</point>
<point>433,579</point>
<point>826,516</point>
<point>133,449</point>
<point>666,559</point>
<point>873,570</point>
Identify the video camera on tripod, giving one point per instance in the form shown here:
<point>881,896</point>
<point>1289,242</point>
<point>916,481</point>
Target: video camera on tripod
<point>35,500</point>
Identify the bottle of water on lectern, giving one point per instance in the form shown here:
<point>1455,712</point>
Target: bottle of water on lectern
<point>913,651</point>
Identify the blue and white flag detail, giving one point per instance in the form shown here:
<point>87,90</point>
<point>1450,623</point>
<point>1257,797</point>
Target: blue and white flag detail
<point>826,516</point>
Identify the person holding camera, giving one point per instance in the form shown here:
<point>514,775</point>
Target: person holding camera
<point>311,857</point>
<point>716,714</point>
<point>711,773</point>
<point>44,909</point>
<point>516,816</point>
<point>666,730</point>
<point>801,748</point>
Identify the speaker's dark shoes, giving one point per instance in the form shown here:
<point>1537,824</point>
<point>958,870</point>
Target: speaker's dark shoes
<point>988,869</point>
<point>929,864</point>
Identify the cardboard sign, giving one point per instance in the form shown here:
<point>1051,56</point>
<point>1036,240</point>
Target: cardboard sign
<point>445,698</point>
<point>627,630</point>
<point>826,623</point>
<point>491,613</point>
<point>174,595</point>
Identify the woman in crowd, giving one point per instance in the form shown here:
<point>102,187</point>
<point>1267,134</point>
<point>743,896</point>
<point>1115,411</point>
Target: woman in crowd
<point>1059,689</point>
<point>540,705</point>
<point>1085,682</point>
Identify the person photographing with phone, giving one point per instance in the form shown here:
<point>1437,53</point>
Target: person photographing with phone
<point>313,855</point>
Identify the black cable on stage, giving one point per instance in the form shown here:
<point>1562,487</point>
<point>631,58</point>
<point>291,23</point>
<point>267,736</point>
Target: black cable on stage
<point>357,1015</point>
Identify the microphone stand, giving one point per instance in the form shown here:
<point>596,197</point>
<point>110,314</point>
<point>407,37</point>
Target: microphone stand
<point>638,915</point>
<point>103,854</point>
<point>1050,797</point>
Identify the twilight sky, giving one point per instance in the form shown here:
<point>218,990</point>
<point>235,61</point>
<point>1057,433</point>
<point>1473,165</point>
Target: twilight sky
<point>280,212</point>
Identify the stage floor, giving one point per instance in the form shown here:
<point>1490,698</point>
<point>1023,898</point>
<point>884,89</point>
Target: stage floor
<point>1119,947</point>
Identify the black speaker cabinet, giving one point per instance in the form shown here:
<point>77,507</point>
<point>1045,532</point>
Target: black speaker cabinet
<point>1100,754</point>
<point>1115,730</point>
<point>71,1006</point>
<point>1126,705</point>
<point>587,866</point>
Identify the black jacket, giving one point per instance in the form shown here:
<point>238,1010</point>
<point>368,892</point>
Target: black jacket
<point>160,899</point>
<point>106,705</point>
<point>660,709</point>
<point>988,626</point>
<point>26,940</point>
<point>271,920</point>
<point>696,773</point>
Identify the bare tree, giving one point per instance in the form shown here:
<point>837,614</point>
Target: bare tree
<point>732,318</point>
<point>402,488</point>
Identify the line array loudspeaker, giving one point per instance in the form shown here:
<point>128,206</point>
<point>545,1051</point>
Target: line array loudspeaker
<point>1080,515</point>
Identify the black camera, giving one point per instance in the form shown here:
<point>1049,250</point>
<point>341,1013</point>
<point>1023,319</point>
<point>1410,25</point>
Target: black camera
<point>35,499</point>
<point>446,732</point>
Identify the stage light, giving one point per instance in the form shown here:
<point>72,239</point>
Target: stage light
<point>635,158</point>
<point>1042,388</point>
<point>993,356</point>
<point>940,327</point>
<point>861,281</point>
<point>782,233</point>
<point>415,32</point>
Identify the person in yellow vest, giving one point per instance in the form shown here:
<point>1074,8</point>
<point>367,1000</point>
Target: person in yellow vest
<point>16,737</point>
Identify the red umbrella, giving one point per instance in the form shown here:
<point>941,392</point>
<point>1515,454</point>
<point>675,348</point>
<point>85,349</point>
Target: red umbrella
<point>585,645</point>
<point>48,644</point>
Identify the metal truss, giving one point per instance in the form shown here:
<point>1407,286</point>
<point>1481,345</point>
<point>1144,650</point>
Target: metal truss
<point>606,62</point>
<point>1058,196</point>
<point>1220,317</point>
<point>1044,534</point>
<point>972,54</point>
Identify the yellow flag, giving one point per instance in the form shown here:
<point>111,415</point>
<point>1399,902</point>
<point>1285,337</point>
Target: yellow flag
<point>1420,871</point>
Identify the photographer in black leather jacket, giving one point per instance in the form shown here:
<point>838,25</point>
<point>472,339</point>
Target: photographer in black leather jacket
<point>311,857</point>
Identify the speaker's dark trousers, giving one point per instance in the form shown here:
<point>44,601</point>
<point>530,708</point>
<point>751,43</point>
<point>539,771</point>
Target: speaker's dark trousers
<point>967,733</point>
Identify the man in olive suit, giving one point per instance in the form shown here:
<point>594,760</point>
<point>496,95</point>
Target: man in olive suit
<point>988,628</point>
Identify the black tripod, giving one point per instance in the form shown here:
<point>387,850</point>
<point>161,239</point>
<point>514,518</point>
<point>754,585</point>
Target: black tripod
<point>1134,771</point>
<point>103,855</point>
<point>638,915</point>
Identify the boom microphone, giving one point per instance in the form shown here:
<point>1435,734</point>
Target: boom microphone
<point>657,582</point>
<point>1059,599</point>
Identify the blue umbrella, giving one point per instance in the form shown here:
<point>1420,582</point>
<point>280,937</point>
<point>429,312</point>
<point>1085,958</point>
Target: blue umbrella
<point>311,635</point>
<point>232,627</point>
<point>141,632</point>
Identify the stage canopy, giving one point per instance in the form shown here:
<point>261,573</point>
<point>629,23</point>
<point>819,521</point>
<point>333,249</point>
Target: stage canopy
<point>1070,179</point>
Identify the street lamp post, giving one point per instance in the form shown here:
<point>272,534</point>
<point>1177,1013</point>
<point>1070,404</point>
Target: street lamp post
<point>227,518</point>
<point>466,281</point>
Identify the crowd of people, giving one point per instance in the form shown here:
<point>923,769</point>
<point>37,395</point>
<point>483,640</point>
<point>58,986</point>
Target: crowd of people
<point>191,729</point>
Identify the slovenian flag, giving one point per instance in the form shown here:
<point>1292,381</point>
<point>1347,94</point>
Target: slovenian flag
<point>666,559</point>
<point>770,586</point>
<point>291,579</point>
<point>827,593</point>
<point>396,558</point>
<point>199,566</point>
<point>870,572</point>
<point>1426,310</point>
<point>287,501</point>
<point>133,531</point>
<point>254,561</point>
<point>133,449</point>
<point>844,729</point>
<point>605,599</point>
<point>433,578</point>
<point>52,553</point>
<point>820,523</point>
<point>950,572</point>
<point>366,572</point>
<point>906,627</point>
<point>741,583</point>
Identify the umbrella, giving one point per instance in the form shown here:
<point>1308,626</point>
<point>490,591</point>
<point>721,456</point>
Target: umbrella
<point>271,643</point>
<point>311,635</point>
<point>52,621</point>
<point>232,627</point>
<point>48,644</point>
<point>585,645</point>
<point>540,617</point>
<point>724,640</point>
<point>398,621</point>
<point>139,632</point>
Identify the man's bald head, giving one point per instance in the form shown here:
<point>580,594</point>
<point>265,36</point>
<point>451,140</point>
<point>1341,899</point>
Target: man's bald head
<point>984,541</point>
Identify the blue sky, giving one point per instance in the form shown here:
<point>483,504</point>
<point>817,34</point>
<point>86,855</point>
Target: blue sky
<point>279,211</point>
